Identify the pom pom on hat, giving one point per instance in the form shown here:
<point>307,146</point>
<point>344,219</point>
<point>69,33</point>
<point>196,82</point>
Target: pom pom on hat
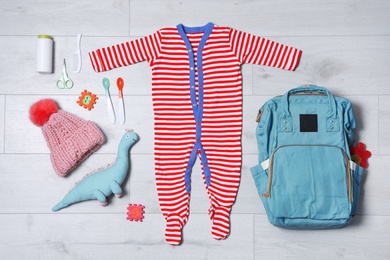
<point>41,111</point>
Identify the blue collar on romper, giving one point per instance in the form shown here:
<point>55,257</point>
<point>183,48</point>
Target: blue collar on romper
<point>197,105</point>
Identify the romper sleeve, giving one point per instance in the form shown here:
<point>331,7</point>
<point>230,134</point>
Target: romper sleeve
<point>253,49</point>
<point>147,48</point>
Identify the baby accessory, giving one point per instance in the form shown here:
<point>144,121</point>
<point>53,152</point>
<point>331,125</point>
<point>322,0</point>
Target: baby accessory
<point>197,105</point>
<point>121,108</point>
<point>70,139</point>
<point>360,155</point>
<point>305,176</point>
<point>44,55</point>
<point>135,212</point>
<point>77,58</point>
<point>64,81</point>
<point>104,182</point>
<point>110,108</point>
<point>87,100</point>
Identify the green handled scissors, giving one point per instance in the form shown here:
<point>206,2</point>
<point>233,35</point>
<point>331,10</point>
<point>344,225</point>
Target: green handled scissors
<point>64,81</point>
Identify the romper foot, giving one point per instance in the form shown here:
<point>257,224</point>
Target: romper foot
<point>173,231</point>
<point>221,222</point>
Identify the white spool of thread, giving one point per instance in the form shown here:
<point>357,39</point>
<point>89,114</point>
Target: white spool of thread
<point>44,59</point>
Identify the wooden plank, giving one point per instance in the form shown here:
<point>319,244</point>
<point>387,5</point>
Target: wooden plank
<point>108,18</point>
<point>35,176</point>
<point>34,187</point>
<point>18,122</point>
<point>42,236</point>
<point>365,238</point>
<point>2,124</point>
<point>384,124</point>
<point>345,48</point>
<point>349,65</point>
<point>18,53</point>
<point>248,200</point>
<point>251,106</point>
<point>266,18</point>
<point>108,236</point>
<point>346,65</point>
<point>374,197</point>
<point>367,119</point>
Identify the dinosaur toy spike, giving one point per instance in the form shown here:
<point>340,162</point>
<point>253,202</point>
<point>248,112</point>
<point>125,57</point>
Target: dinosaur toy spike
<point>104,182</point>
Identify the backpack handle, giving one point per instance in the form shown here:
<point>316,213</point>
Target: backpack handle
<point>332,121</point>
<point>310,88</point>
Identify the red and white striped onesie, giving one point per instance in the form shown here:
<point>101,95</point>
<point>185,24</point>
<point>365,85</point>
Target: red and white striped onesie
<point>197,104</point>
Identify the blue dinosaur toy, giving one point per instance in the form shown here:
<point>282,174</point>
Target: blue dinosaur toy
<point>103,183</point>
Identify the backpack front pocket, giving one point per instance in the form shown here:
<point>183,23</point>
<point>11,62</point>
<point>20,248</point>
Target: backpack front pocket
<point>309,182</point>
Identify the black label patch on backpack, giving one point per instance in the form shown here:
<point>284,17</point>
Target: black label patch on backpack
<point>308,123</point>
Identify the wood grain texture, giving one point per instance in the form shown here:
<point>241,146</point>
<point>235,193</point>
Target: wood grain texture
<point>267,18</point>
<point>384,123</point>
<point>345,243</point>
<point>2,126</point>
<point>79,236</point>
<point>346,48</point>
<point>61,17</point>
<point>345,64</point>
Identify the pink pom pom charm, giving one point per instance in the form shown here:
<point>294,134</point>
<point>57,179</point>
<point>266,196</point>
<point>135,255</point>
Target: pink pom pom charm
<point>41,111</point>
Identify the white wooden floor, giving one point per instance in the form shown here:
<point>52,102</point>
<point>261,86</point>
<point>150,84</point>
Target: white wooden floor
<point>346,47</point>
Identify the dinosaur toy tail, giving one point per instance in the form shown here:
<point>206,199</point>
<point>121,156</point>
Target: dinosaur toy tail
<point>59,206</point>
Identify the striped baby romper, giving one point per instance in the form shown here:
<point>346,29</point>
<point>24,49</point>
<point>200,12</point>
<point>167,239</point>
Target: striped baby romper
<point>197,104</point>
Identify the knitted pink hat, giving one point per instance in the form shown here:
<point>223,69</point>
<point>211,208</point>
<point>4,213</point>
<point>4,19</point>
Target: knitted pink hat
<point>70,139</point>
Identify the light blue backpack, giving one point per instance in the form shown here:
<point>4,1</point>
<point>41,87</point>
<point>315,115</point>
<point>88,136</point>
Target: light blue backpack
<point>305,176</point>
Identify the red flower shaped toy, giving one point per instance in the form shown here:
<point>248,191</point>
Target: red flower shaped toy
<point>359,154</point>
<point>87,100</point>
<point>135,212</point>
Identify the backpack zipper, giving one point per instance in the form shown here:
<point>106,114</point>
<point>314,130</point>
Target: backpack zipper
<point>347,164</point>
